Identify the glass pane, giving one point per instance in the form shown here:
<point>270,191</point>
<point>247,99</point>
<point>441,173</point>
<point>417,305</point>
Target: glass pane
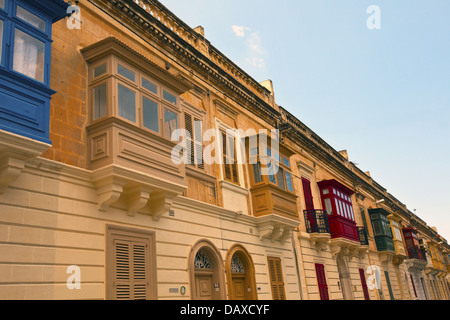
<point>328,206</point>
<point>170,123</point>
<point>169,97</point>
<point>31,18</point>
<point>270,171</point>
<point>100,107</point>
<point>150,114</point>
<point>337,207</point>
<point>1,39</point>
<point>100,70</point>
<point>257,172</point>
<point>125,72</point>
<point>127,103</point>
<point>325,191</point>
<point>150,86</point>
<point>286,162</point>
<point>280,179</point>
<point>289,185</point>
<point>2,4</point>
<point>29,55</point>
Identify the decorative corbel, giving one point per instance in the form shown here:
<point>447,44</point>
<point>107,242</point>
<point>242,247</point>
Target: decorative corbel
<point>136,198</point>
<point>160,202</point>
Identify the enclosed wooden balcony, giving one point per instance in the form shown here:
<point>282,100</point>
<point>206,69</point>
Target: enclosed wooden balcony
<point>134,111</point>
<point>336,199</point>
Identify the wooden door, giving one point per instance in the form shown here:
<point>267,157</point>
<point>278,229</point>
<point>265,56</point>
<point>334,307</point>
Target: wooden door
<point>239,288</point>
<point>204,287</point>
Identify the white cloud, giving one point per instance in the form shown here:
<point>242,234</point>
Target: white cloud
<point>254,44</point>
<point>239,31</point>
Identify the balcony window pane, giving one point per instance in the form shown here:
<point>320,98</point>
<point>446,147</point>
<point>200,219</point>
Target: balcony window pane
<point>270,171</point>
<point>126,72</point>
<point>257,172</point>
<point>100,107</point>
<point>31,18</point>
<point>170,123</point>
<point>169,97</point>
<point>150,86</point>
<point>328,206</point>
<point>100,70</point>
<point>337,207</point>
<point>326,191</point>
<point>127,103</point>
<point>280,179</point>
<point>150,114</point>
<point>286,162</point>
<point>289,185</point>
<point>2,4</point>
<point>29,55</point>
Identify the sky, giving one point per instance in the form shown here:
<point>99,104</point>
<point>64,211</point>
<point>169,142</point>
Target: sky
<point>382,94</point>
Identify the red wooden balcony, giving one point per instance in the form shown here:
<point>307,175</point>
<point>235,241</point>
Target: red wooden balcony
<point>341,227</point>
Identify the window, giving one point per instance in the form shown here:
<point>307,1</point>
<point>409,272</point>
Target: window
<point>276,278</point>
<point>25,47</point>
<point>100,96</point>
<point>131,264</point>
<point>139,98</point>
<point>322,282</point>
<point>30,40</point>
<point>309,203</point>
<point>282,178</point>
<point>195,143</point>
<point>337,199</point>
<point>229,158</point>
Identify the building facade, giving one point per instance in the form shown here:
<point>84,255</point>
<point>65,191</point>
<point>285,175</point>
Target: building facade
<point>96,204</point>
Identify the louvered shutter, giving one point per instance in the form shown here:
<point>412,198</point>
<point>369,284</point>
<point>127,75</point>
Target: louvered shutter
<point>131,280</point>
<point>364,284</point>
<point>198,141</point>
<point>122,280</point>
<point>229,159</point>
<point>276,278</point>
<point>189,140</point>
<point>322,282</point>
<point>195,143</point>
<point>308,194</point>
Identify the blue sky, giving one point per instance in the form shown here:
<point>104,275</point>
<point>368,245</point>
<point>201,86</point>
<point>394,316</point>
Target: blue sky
<point>383,95</point>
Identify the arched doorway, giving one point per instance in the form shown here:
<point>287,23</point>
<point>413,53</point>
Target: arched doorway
<point>206,272</point>
<point>240,274</point>
<point>344,278</point>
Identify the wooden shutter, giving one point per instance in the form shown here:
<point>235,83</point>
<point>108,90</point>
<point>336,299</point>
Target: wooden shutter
<point>131,265</point>
<point>322,282</point>
<point>131,279</point>
<point>190,145</point>
<point>195,143</point>
<point>413,285</point>
<point>388,280</point>
<point>229,159</point>
<point>276,278</point>
<point>309,203</point>
<point>364,284</point>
